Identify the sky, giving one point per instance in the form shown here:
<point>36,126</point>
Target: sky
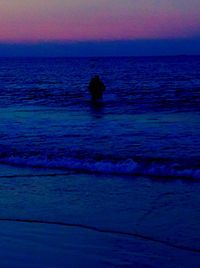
<point>99,27</point>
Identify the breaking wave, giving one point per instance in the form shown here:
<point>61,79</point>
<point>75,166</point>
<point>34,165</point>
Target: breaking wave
<point>128,167</point>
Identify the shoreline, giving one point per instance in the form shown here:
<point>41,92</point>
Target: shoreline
<point>40,245</point>
<point>155,223</point>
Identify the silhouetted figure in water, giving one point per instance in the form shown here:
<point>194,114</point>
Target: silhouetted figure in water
<point>96,88</point>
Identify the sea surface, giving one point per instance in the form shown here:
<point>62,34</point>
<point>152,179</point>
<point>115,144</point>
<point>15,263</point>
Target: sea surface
<point>128,166</point>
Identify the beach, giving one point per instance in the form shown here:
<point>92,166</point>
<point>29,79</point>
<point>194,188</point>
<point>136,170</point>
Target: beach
<point>45,224</point>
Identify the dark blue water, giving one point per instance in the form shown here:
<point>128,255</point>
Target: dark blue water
<point>111,185</point>
<point>147,124</point>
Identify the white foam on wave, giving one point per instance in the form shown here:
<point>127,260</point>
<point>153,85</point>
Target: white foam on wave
<point>126,167</point>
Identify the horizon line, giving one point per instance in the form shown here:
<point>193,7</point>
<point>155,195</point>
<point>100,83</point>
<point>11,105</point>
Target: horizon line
<point>106,40</point>
<point>105,56</point>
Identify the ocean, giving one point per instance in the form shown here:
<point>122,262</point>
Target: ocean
<point>113,184</point>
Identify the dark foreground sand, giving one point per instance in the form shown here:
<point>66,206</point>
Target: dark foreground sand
<point>43,245</point>
<point>84,220</point>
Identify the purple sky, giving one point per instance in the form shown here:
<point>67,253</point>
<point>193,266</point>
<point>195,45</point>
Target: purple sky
<point>23,21</point>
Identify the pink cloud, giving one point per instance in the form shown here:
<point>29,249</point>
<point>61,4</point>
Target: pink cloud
<point>98,25</point>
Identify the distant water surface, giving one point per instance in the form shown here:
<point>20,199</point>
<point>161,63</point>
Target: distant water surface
<point>147,124</point>
<point>108,185</point>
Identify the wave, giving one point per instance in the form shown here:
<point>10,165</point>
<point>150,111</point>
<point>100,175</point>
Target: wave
<point>128,167</point>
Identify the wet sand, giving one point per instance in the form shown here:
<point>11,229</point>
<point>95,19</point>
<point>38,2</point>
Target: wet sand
<point>49,219</point>
<point>42,245</point>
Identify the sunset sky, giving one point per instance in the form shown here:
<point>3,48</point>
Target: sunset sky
<point>30,23</point>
